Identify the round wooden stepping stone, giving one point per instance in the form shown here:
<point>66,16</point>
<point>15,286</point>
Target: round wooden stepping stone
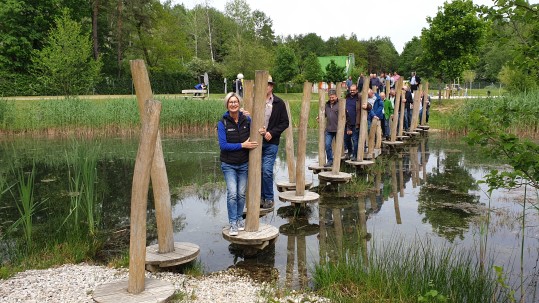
<point>290,196</point>
<point>402,138</point>
<point>392,143</point>
<point>412,133</point>
<point>424,126</point>
<point>286,186</point>
<point>318,168</point>
<point>359,163</point>
<point>258,239</point>
<point>183,253</point>
<point>340,177</point>
<point>154,291</point>
<point>262,212</point>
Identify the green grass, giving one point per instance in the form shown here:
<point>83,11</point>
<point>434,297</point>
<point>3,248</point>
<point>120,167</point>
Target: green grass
<point>398,272</point>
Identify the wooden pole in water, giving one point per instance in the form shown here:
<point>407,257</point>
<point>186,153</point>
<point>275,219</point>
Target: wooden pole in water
<point>248,94</point>
<point>402,111</point>
<point>290,159</point>
<point>425,99</point>
<point>159,179</point>
<point>395,119</point>
<point>372,136</point>
<point>415,111</point>
<point>363,124</point>
<point>139,196</point>
<point>252,222</point>
<point>339,140</point>
<point>321,127</point>
<point>302,138</point>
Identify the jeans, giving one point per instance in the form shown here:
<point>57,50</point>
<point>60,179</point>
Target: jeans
<point>408,118</point>
<point>329,139</point>
<point>350,142</point>
<point>269,154</point>
<point>421,114</point>
<point>236,184</point>
<point>387,126</point>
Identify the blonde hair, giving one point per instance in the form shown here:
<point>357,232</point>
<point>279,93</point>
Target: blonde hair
<point>230,95</point>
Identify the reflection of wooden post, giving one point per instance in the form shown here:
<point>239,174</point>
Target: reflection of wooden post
<point>248,94</point>
<point>290,161</point>
<point>363,229</point>
<point>139,196</point>
<point>337,224</point>
<point>378,182</point>
<point>363,124</point>
<point>424,114</point>
<point>255,155</point>
<point>414,166</point>
<point>401,178</point>
<point>339,141</point>
<point>322,235</point>
<point>159,179</point>
<point>424,161</point>
<point>321,127</point>
<point>415,111</point>
<point>395,120</point>
<point>302,139</point>
<point>290,256</point>
<point>302,260</point>
<point>394,187</point>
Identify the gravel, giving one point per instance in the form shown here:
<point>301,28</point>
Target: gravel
<point>75,283</point>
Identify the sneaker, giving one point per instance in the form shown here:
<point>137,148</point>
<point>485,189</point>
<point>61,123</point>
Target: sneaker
<point>241,225</point>
<point>329,164</point>
<point>233,231</point>
<point>267,203</point>
<point>352,158</point>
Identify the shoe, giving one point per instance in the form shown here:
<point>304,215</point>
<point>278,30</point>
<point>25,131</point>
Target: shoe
<point>267,203</point>
<point>329,164</point>
<point>353,159</point>
<point>241,225</point>
<point>347,157</point>
<point>233,231</point>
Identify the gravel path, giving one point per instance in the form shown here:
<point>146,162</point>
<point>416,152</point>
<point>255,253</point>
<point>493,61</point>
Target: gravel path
<point>75,283</point>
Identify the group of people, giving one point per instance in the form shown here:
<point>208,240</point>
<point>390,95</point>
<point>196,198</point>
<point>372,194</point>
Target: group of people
<point>379,106</point>
<point>234,141</point>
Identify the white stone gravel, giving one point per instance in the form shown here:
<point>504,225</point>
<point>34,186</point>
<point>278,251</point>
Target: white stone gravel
<point>75,283</point>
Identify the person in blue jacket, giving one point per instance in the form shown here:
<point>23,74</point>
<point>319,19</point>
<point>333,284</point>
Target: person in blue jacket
<point>233,131</point>
<point>377,111</point>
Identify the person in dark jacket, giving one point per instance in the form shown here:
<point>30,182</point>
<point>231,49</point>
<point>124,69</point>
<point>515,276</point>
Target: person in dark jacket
<point>275,122</point>
<point>332,120</point>
<point>233,133</point>
<point>415,81</point>
<point>408,109</point>
<point>351,134</point>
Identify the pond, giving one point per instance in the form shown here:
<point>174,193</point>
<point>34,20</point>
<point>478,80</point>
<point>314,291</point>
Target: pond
<point>426,192</point>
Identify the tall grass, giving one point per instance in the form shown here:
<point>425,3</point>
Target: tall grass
<point>398,272</point>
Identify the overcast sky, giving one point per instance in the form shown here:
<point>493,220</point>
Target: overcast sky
<point>397,19</point>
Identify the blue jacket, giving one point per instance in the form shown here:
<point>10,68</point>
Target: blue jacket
<point>377,109</point>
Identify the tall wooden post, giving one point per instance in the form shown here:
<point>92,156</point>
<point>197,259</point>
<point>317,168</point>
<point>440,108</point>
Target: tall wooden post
<point>252,222</point>
<point>339,140</point>
<point>302,139</point>
<point>290,158</point>
<point>159,178</point>
<point>372,136</point>
<point>248,95</point>
<point>425,100</point>
<point>388,88</point>
<point>363,124</point>
<point>321,127</point>
<point>415,111</point>
<point>394,121</point>
<point>139,195</point>
<point>402,113</point>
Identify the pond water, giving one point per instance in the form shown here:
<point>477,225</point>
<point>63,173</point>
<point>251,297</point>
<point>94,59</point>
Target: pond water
<point>429,190</point>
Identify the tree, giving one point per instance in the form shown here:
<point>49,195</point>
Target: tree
<point>451,43</point>
<point>286,65</point>
<point>334,73</point>
<point>312,70</point>
<point>65,65</point>
<point>410,59</point>
<point>469,76</point>
<point>263,28</point>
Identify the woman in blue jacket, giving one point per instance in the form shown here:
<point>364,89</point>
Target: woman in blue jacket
<point>233,132</point>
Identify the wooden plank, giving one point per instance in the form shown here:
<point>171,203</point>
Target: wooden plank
<point>321,127</point>
<point>159,178</point>
<point>255,155</point>
<point>139,196</point>
<point>194,91</point>
<point>302,138</point>
<point>156,291</point>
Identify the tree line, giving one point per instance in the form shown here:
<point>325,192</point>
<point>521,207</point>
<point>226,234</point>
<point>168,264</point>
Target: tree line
<point>69,47</point>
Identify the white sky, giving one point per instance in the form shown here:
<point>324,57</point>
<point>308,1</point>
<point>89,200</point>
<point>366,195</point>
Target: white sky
<point>400,20</point>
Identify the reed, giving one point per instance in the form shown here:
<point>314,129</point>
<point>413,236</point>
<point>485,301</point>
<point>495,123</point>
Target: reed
<point>398,270</point>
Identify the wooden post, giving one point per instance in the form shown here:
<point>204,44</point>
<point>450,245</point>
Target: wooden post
<point>302,138</point>
<point>290,159</point>
<point>248,86</point>
<point>254,184</point>
<point>159,178</point>
<point>339,140</point>
<point>321,127</point>
<point>394,121</point>
<point>378,143</point>
<point>388,88</point>
<point>372,136</point>
<point>415,111</point>
<point>424,115</point>
<point>139,195</point>
<point>363,124</point>
<point>402,112</point>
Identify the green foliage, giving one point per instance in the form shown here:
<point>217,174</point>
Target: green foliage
<point>432,295</point>
<point>65,65</point>
<point>312,70</point>
<point>410,58</point>
<point>334,73</point>
<point>450,44</point>
<point>501,281</point>
<point>286,65</point>
<point>381,55</point>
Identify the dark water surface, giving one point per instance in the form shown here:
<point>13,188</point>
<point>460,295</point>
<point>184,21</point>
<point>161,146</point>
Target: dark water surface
<point>426,192</point>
